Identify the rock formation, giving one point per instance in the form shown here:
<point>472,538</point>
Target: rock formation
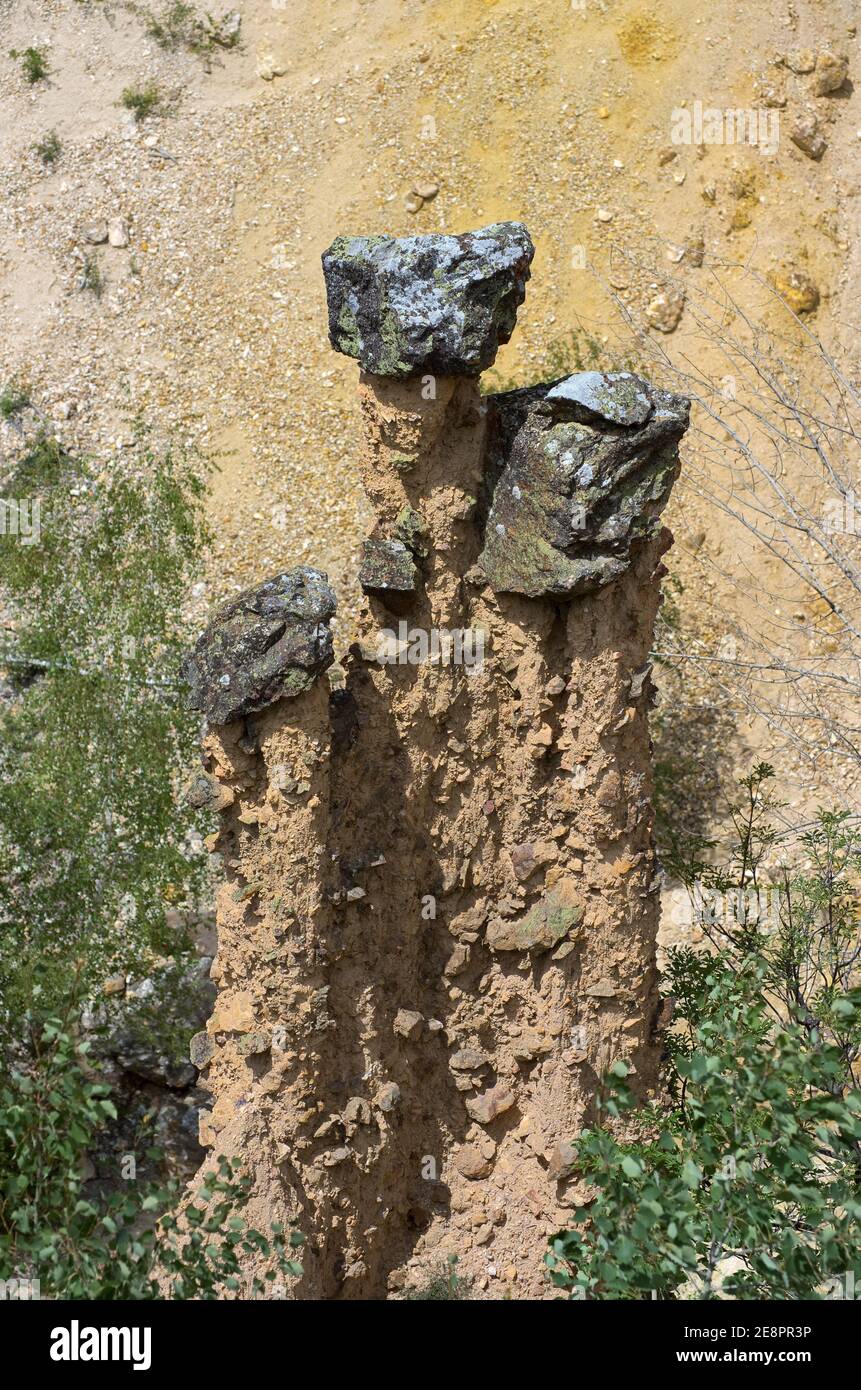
<point>437,925</point>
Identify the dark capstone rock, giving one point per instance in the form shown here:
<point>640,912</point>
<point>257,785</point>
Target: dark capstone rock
<point>436,304</point>
<point>388,571</point>
<point>581,470</point>
<point>267,644</point>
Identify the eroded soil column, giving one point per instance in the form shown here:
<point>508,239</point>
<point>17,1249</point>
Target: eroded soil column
<point>440,932</point>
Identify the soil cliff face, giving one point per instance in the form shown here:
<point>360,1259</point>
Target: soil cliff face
<point>437,925</point>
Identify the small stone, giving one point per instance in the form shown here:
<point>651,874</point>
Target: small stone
<point>618,397</point>
<point>334,1157</point>
<point>409,1024</point>
<point>118,232</point>
<point>485,1108</point>
<point>806,133</point>
<point>412,530</point>
<point>268,67</point>
<point>468,1059</point>
<point>357,1111</point>
<point>412,203</point>
<point>96,233</point>
<point>603,989</point>
<point>226,30</point>
<point>426,191</point>
<point>797,289</point>
<point>530,856</point>
<point>388,570</point>
<point>388,1096</point>
<point>801,61</point>
<point>530,1045</point>
<point>252,1044</point>
<point>471,1163</point>
<point>201,1050</point>
<point>457,961</point>
<point>832,70</point>
<point>695,250</point>
<point>665,310</point>
<point>114,984</point>
<point>542,928</point>
<point>555,686</point>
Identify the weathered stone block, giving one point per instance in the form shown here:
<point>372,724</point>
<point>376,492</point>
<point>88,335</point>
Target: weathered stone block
<point>426,304</point>
<point>589,465</point>
<point>267,644</point>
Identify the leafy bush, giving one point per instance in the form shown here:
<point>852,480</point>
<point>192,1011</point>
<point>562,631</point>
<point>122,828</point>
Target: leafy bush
<point>83,1246</point>
<point>180,26</point>
<point>744,1182</point>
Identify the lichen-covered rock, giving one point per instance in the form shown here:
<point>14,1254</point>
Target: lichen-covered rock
<point>267,644</point>
<point>388,570</point>
<point>426,304</point>
<point>589,463</point>
<point>411,528</point>
<point>619,397</point>
<point>544,926</point>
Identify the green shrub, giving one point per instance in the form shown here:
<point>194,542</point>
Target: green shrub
<point>49,148</point>
<point>98,851</point>
<point>132,1244</point>
<point>92,276</point>
<point>13,399</point>
<point>744,1181</point>
<point>34,63</point>
<point>180,26</point>
<point>143,101</point>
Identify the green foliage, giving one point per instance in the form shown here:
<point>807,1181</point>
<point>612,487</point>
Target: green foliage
<point>180,26</point>
<point>445,1286</point>
<point>143,101</point>
<point>96,847</point>
<point>745,1181</point>
<point>92,276</point>
<point>13,399</point>
<point>49,148</point>
<point>131,1244</point>
<point>34,63</point>
<point>801,924</point>
<point>756,1164</point>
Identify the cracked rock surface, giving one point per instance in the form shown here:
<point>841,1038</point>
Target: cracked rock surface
<point>589,463</point>
<point>268,643</point>
<point>426,304</point>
